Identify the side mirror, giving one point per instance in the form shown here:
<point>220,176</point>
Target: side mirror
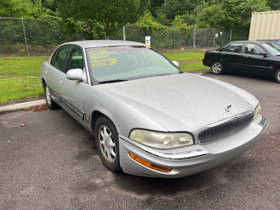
<point>75,74</point>
<point>176,63</point>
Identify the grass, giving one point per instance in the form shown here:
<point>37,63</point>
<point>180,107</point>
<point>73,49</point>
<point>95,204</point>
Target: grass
<point>190,60</point>
<point>19,76</point>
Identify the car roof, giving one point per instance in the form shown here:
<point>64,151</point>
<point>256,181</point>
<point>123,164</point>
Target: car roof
<point>105,43</point>
<point>248,41</point>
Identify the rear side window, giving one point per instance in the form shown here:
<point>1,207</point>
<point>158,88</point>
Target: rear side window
<point>59,57</point>
<point>234,48</point>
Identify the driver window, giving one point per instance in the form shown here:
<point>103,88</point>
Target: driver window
<point>58,59</point>
<point>254,49</point>
<point>75,60</point>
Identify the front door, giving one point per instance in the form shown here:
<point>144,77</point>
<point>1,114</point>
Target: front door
<point>256,59</point>
<point>73,91</point>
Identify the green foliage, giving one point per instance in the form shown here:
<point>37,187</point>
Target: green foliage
<point>113,14</point>
<point>148,21</point>
<point>179,22</point>
<point>212,17</point>
<point>239,12</point>
<point>99,19</point>
<point>16,8</point>
<point>160,16</point>
<point>274,4</point>
<point>90,29</point>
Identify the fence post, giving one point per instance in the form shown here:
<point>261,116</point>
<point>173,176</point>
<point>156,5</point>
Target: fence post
<point>194,38</point>
<point>25,37</point>
<point>214,40</point>
<point>123,31</point>
<point>205,39</point>
<point>174,38</point>
<point>230,35</point>
<point>222,36</point>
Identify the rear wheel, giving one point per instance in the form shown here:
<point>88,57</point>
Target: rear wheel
<point>217,67</point>
<point>50,102</point>
<point>277,76</point>
<point>107,143</point>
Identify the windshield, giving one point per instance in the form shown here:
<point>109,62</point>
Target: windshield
<point>272,48</point>
<point>124,63</point>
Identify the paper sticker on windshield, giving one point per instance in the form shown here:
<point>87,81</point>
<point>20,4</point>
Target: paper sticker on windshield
<point>101,58</point>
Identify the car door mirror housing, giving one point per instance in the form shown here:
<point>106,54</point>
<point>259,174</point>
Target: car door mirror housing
<point>176,63</point>
<point>75,74</point>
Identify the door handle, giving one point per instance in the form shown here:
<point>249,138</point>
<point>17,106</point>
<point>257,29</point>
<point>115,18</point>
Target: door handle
<point>61,82</point>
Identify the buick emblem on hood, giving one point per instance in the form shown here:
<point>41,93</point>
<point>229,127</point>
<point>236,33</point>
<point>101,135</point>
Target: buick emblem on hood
<point>228,108</point>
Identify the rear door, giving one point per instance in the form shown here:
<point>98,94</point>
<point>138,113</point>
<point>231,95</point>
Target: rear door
<point>231,56</point>
<point>55,73</point>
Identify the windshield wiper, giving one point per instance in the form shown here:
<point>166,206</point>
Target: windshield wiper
<point>112,81</point>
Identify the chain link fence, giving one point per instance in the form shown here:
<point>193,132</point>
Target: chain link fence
<point>176,38</point>
<point>39,37</point>
<point>32,36</point>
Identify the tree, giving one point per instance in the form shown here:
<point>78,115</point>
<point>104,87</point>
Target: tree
<point>274,4</point>
<point>212,17</point>
<point>111,13</point>
<point>239,12</point>
<point>16,8</point>
<point>180,7</point>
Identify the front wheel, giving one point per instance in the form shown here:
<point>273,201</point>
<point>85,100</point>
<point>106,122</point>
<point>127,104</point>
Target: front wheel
<point>107,143</point>
<point>217,67</point>
<point>277,76</point>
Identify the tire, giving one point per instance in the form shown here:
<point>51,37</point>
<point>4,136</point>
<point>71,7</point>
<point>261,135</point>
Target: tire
<point>50,102</point>
<point>277,76</point>
<point>107,143</point>
<point>217,67</point>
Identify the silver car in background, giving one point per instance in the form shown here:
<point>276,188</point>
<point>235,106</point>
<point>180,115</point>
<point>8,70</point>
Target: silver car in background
<point>147,116</point>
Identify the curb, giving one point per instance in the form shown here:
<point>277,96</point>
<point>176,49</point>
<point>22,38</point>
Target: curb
<point>21,106</point>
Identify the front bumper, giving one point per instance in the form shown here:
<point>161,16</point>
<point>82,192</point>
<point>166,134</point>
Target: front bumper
<point>192,159</point>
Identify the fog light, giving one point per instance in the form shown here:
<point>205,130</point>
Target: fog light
<point>148,164</point>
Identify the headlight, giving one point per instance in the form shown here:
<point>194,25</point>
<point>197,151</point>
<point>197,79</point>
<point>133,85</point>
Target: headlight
<point>161,140</point>
<point>257,111</point>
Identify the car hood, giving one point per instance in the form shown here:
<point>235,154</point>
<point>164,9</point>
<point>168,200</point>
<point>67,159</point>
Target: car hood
<point>181,101</point>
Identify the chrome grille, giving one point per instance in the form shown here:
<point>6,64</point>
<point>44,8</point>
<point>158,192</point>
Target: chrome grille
<point>226,127</point>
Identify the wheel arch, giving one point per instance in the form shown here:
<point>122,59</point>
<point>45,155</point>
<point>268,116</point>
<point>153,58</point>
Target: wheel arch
<point>95,115</point>
<point>43,82</point>
<point>216,60</point>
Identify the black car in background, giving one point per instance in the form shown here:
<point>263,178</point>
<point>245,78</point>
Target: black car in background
<point>255,57</point>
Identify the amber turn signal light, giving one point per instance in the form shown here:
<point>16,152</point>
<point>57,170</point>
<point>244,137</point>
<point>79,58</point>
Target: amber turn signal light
<point>148,164</point>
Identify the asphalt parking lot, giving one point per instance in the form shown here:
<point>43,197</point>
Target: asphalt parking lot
<point>48,161</point>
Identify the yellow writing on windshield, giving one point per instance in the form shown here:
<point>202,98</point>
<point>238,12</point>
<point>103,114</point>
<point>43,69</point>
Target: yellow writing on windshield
<point>101,58</point>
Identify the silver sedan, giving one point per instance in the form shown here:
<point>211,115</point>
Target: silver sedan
<point>147,116</point>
